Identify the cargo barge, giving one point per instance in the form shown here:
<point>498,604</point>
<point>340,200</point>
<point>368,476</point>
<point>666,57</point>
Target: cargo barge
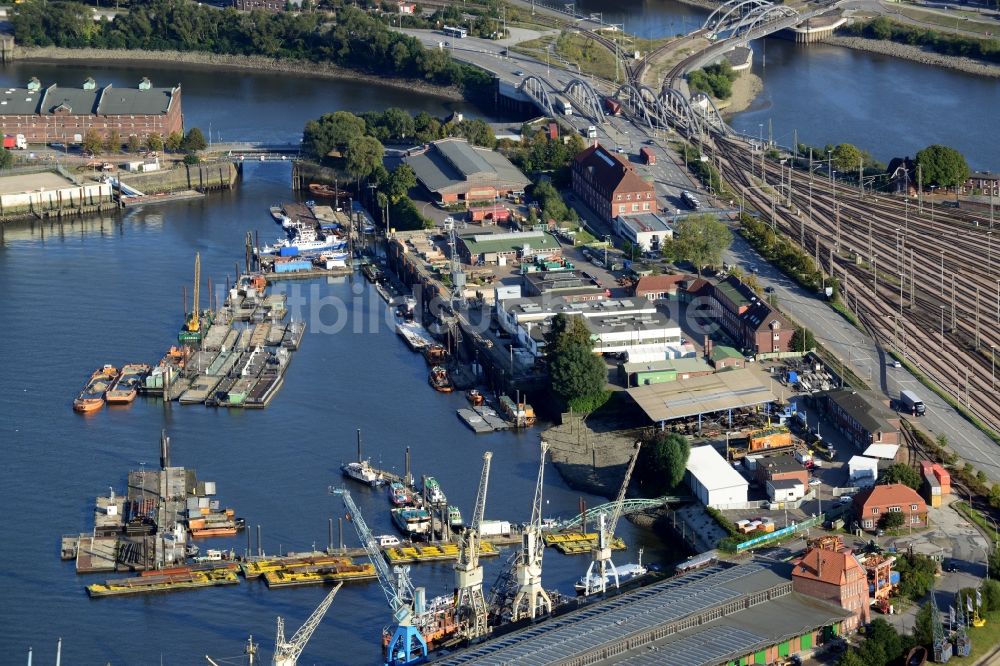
<point>182,580</point>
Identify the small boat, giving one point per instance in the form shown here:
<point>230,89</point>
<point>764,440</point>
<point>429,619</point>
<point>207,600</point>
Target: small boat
<point>521,413</point>
<point>277,212</point>
<point>363,472</point>
<point>626,572</point>
<point>397,494</point>
<point>126,387</point>
<point>475,397</point>
<point>191,550</point>
<point>439,379</point>
<point>387,540</point>
<point>433,490</point>
<point>455,518</point>
<point>435,354</point>
<point>412,521</point>
<point>92,397</point>
<point>327,192</point>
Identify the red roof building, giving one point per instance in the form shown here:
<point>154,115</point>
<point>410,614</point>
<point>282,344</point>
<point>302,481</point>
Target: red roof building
<point>659,287</point>
<point>873,504</point>
<point>610,184</point>
<point>837,577</point>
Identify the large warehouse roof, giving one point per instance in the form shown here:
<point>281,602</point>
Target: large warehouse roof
<point>452,166</point>
<point>702,395</point>
<point>712,470</point>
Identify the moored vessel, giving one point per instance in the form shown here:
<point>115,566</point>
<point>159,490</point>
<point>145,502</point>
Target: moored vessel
<point>626,572</point>
<point>412,521</point>
<point>362,471</point>
<point>475,397</point>
<point>126,387</point>
<point>91,398</point>
<point>455,521</point>
<point>439,379</point>
<point>433,491</point>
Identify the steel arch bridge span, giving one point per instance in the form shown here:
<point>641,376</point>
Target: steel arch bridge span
<point>586,97</point>
<point>757,19</point>
<point>644,103</point>
<point>703,105</point>
<point>722,14</point>
<point>740,16</point>
<point>536,89</point>
<point>629,506</point>
<point>680,109</point>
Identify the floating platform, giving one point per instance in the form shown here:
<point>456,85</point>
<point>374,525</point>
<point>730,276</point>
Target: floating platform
<point>433,553</point>
<point>312,273</point>
<point>575,543</point>
<point>164,582</point>
<point>257,568</point>
<point>483,419</point>
<point>167,197</point>
<point>322,575</point>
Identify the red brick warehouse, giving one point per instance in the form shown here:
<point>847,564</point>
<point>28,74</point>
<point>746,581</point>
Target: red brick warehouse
<point>53,113</point>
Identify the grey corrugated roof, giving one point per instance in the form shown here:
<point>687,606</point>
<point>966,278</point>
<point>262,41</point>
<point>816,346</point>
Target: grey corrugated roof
<point>19,101</point>
<point>135,102</point>
<point>78,100</point>
<point>866,410</point>
<point>452,166</point>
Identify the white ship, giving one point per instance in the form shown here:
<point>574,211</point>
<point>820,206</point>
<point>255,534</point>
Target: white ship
<point>363,472</point>
<point>626,572</point>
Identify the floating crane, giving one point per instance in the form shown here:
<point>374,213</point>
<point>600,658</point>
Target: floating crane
<point>407,645</point>
<point>531,599</point>
<point>286,653</point>
<point>193,324</point>
<point>605,534</point>
<point>470,603</point>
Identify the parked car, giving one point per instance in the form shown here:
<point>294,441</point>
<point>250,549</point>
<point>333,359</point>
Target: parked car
<point>951,566</point>
<point>768,289</point>
<point>814,482</point>
<point>518,73</point>
<point>896,364</point>
<point>846,499</point>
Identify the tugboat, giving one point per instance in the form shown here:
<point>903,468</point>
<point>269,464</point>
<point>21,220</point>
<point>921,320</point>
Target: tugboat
<point>455,521</point>
<point>434,493</point>
<point>475,397</point>
<point>435,354</point>
<point>363,472</point>
<point>92,397</point>
<point>398,494</point>
<point>126,387</point>
<point>439,379</point>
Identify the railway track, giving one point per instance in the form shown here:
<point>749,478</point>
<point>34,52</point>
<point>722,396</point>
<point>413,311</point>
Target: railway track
<point>833,221</point>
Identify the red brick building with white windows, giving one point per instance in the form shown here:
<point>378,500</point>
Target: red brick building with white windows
<point>837,577</point>
<point>57,114</point>
<point>873,504</point>
<point>610,185</point>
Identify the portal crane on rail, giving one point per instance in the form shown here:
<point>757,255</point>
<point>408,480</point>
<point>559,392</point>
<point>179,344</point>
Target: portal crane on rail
<point>531,599</point>
<point>470,602</point>
<point>407,645</point>
<point>286,653</point>
<point>601,553</point>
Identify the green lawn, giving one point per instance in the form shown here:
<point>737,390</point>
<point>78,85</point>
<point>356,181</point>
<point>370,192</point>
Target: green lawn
<point>984,639</point>
<point>956,22</point>
<point>976,517</point>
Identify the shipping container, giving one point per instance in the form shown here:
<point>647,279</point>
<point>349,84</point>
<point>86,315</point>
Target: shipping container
<point>612,106</point>
<point>553,131</point>
<point>494,528</point>
<point>647,155</point>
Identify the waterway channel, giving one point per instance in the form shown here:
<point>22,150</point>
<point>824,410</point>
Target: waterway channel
<point>830,94</point>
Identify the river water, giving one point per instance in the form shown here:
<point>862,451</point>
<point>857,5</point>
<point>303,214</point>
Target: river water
<point>80,294</point>
<point>830,94</point>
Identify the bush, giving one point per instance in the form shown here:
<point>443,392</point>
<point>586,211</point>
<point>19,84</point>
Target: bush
<point>954,45</point>
<point>191,158</point>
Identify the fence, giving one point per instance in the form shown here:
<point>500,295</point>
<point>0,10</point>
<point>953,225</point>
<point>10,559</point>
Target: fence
<point>777,534</point>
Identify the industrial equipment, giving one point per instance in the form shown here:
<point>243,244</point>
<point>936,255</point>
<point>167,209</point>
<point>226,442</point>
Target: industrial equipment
<point>470,603</point>
<point>286,653</point>
<point>606,532</point>
<point>531,599</point>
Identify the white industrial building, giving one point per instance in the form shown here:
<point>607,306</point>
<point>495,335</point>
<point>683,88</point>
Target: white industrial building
<point>630,325</point>
<point>862,470</point>
<point>785,490</point>
<point>647,230</point>
<point>883,451</point>
<point>713,480</point>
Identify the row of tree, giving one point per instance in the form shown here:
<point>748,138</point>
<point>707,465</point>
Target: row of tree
<point>941,166</point>
<point>948,44</point>
<point>352,39</point>
<point>175,142</point>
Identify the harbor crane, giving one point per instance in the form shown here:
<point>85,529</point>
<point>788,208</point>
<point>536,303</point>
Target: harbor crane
<point>470,603</point>
<point>605,534</point>
<point>286,653</point>
<point>193,323</point>
<point>407,645</point>
<point>531,599</point>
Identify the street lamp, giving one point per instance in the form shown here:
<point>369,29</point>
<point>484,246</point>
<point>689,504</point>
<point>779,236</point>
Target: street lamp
<point>942,327</point>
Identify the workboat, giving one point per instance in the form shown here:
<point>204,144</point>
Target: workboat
<point>302,244</point>
<point>455,518</point>
<point>331,259</point>
<point>277,212</point>
<point>475,397</point>
<point>626,572</point>
<point>327,192</point>
<point>438,378</point>
<point>126,387</point>
<point>412,521</point>
<point>387,540</point>
<point>91,398</point>
<point>398,494</point>
<point>413,334</point>
<point>433,490</point>
<point>363,472</point>
<point>435,354</point>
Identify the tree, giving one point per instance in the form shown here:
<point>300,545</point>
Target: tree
<point>133,143</point>
<point>942,166</point>
<point>114,142</point>
<point>401,181</point>
<point>701,239</point>
<point>398,123</point>
<point>923,626</point>
<point>576,375</point>
<point>802,340</point>
<point>900,473</point>
<point>892,519</point>
<point>192,158</point>
<point>851,658</point>
<point>664,459</point>
<point>155,142</point>
<point>194,141</point>
<point>92,142</point>
<point>363,155</point>
<point>885,635</point>
<point>174,141</point>
<point>916,575</point>
<point>847,158</point>
<point>333,131</point>
<point>6,158</point>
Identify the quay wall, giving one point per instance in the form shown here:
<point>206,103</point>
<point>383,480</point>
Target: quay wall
<point>56,202</point>
<point>201,177</point>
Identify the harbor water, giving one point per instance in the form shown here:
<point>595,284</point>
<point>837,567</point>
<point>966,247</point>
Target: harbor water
<point>84,293</point>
